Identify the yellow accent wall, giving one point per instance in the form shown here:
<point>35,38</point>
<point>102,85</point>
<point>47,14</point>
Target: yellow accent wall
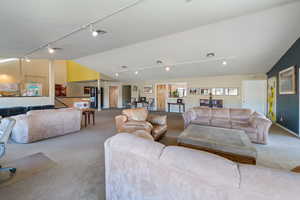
<point>77,72</point>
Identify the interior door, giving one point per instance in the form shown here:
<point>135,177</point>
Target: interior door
<point>113,96</point>
<point>161,96</point>
<point>255,95</point>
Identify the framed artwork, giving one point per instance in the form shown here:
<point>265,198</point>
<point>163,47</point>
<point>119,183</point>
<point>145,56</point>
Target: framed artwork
<point>287,81</point>
<point>148,89</point>
<point>193,91</point>
<point>204,91</point>
<point>231,91</point>
<point>135,88</point>
<point>34,89</point>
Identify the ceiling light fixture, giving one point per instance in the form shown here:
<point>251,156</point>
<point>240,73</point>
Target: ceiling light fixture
<point>136,72</point>
<point>84,27</point>
<point>50,50</point>
<point>116,74</point>
<point>95,32</point>
<point>27,59</point>
<point>210,55</point>
<point>159,62</point>
<point>167,68</point>
<point>224,62</point>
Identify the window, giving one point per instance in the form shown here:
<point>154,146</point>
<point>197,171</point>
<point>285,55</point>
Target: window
<point>177,90</point>
<point>21,78</point>
<point>218,91</point>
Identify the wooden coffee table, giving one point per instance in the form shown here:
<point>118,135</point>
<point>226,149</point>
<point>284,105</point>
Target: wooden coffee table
<point>229,143</point>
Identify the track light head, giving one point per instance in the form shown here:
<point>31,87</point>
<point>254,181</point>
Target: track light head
<point>27,59</point>
<point>50,50</point>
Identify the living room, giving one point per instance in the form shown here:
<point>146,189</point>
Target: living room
<point>178,99</point>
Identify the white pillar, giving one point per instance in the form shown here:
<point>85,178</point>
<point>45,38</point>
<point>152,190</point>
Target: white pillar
<point>99,94</point>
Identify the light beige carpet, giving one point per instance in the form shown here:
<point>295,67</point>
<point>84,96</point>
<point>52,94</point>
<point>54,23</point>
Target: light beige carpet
<point>27,167</point>
<point>80,173</point>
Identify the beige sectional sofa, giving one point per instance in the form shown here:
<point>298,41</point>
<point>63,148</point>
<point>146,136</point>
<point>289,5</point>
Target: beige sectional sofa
<point>141,169</point>
<point>254,124</point>
<point>41,124</point>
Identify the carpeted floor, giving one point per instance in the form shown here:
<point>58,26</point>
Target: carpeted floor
<point>79,170</point>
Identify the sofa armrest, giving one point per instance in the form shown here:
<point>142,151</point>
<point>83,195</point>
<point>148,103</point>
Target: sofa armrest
<point>187,118</point>
<point>157,119</point>
<point>20,132</point>
<point>262,125</point>
<point>120,121</point>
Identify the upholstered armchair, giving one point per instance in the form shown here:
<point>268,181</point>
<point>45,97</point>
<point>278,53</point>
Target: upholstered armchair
<point>132,120</point>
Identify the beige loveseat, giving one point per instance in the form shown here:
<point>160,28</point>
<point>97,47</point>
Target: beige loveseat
<point>41,124</point>
<point>140,169</point>
<point>138,119</point>
<point>254,124</point>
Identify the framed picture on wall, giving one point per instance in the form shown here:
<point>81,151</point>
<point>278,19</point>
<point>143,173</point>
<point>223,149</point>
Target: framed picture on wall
<point>287,81</point>
<point>148,89</point>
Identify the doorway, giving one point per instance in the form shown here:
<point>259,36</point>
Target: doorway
<point>126,95</point>
<point>161,97</point>
<point>255,95</point>
<point>113,96</point>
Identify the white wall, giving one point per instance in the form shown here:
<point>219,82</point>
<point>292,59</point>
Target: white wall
<point>205,82</point>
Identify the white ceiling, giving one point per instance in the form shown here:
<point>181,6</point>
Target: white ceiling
<point>250,44</point>
<point>27,24</point>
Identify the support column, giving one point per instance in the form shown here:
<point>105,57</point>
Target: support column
<point>99,94</point>
<point>51,82</point>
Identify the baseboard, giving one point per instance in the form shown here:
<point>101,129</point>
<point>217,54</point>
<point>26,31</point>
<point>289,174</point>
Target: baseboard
<point>288,130</point>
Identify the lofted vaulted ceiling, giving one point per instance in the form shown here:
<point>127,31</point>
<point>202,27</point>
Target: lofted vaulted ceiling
<point>254,40</point>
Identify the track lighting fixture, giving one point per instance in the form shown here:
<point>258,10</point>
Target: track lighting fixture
<point>27,59</point>
<point>50,50</point>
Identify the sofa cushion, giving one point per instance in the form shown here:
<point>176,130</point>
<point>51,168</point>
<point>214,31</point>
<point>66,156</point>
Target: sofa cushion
<point>260,182</point>
<point>220,122</point>
<point>131,126</point>
<point>136,114</point>
<point>199,112</point>
<point>239,114</point>
<point>220,113</point>
<point>157,119</point>
<point>210,168</point>
<point>245,127</point>
<point>201,121</point>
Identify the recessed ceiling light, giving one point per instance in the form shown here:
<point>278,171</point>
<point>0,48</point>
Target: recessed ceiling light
<point>116,74</point>
<point>159,62</point>
<point>224,62</point>
<point>167,69</point>
<point>209,55</point>
<point>136,72</point>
